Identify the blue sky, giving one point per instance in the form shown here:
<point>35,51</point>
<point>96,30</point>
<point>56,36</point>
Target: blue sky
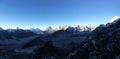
<point>44,13</point>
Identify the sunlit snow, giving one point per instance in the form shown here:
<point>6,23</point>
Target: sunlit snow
<point>114,18</point>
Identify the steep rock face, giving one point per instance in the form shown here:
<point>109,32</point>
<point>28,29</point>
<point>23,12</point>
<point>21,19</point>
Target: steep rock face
<point>107,40</point>
<point>103,44</point>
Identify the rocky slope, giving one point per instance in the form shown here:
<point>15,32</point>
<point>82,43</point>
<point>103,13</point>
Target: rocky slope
<point>104,43</point>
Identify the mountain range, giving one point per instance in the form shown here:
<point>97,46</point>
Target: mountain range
<point>22,33</point>
<point>67,42</point>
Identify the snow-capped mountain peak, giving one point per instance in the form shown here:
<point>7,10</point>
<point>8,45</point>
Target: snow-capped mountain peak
<point>37,30</point>
<point>114,19</point>
<point>63,27</point>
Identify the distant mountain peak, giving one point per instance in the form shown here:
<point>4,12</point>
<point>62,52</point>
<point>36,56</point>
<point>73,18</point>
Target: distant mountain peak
<point>114,19</point>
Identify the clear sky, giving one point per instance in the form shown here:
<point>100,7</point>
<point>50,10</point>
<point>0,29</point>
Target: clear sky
<point>44,13</point>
